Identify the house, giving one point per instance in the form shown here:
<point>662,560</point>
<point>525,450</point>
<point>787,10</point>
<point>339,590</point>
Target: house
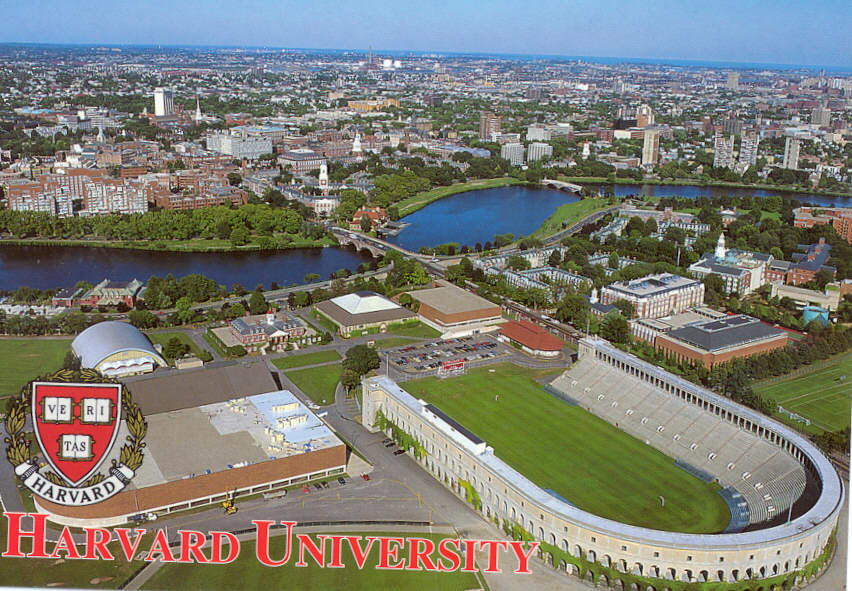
<point>377,216</point>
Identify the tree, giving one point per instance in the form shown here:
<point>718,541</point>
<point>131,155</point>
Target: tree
<point>234,179</point>
<point>257,303</point>
<point>183,310</point>
<point>615,328</point>
<point>517,263</point>
<point>71,361</point>
<point>555,258</point>
<point>175,349</point>
<point>143,319</point>
<point>625,307</point>
<point>361,359</point>
<point>366,224</point>
<point>239,236</point>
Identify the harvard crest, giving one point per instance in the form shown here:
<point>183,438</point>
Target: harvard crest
<point>76,417</point>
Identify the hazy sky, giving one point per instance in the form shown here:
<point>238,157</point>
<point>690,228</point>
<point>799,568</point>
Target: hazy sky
<point>811,32</point>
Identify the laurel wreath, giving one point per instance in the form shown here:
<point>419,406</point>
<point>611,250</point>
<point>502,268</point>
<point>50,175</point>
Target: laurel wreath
<point>19,443</point>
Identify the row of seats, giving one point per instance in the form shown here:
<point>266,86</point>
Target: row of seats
<point>768,478</point>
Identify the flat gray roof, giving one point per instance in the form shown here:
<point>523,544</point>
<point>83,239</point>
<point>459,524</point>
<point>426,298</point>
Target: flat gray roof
<point>449,299</point>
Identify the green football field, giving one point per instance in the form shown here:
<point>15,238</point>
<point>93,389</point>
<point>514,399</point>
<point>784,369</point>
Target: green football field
<point>568,450</point>
<point>247,573</point>
<point>303,359</point>
<point>823,396</point>
<point>26,359</point>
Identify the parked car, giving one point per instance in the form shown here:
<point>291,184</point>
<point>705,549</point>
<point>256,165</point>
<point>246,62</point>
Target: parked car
<point>341,480</point>
<point>398,452</point>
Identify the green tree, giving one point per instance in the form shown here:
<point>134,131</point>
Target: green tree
<point>257,303</point>
<point>615,328</point>
<point>361,359</point>
<point>183,310</point>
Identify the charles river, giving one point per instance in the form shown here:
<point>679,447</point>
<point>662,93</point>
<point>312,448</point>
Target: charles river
<point>465,218</point>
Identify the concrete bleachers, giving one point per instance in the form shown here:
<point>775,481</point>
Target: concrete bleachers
<point>764,477</point>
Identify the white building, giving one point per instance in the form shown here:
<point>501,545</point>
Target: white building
<point>539,151</point>
<point>164,102</point>
<point>538,132</point>
<point>655,296</point>
<point>249,148</point>
<point>650,147</point>
<point>748,149</point>
<point>723,151</point>
<point>513,152</point>
<point>791,153</point>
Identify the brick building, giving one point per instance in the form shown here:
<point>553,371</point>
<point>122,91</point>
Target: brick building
<point>839,217</point>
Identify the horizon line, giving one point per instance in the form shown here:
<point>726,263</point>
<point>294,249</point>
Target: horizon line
<point>658,60</point>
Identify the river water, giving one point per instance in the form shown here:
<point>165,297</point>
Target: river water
<point>465,218</point>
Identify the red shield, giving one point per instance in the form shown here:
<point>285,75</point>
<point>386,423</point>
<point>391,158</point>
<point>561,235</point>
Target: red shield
<point>76,425</point>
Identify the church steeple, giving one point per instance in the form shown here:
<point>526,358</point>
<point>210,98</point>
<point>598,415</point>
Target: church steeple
<point>198,115</point>
<point>721,251</point>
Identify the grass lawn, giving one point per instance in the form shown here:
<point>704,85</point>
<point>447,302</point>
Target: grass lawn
<point>26,359</point>
<point>162,338</point>
<point>411,204</point>
<point>568,450</point>
<point>392,342</point>
<point>318,383</point>
<point>568,214</point>
<point>306,359</point>
<point>247,573</point>
<point>414,330</point>
<point>819,395</point>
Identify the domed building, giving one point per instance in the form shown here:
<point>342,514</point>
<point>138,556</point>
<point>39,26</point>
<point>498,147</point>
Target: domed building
<point>116,349</point>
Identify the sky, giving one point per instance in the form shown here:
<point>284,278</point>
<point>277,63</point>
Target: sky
<point>807,32</point>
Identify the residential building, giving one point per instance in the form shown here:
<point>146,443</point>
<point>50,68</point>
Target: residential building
<point>733,82</point>
<point>240,147</point>
<point>748,149</point>
<point>839,217</point>
<point>821,116</point>
<point>644,116</point>
<point>538,132</point>
<point>655,296</point>
<point>377,216</point>
<point>810,261</point>
<point>489,124</point>
<point>539,151</point>
<point>791,153</point>
<point>723,151</point>
<point>164,102</point>
<point>513,152</point>
<point>651,147</point>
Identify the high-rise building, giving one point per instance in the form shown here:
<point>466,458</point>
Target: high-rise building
<point>748,149</point>
<point>514,153</point>
<point>538,132</point>
<point>732,126</point>
<point>733,81</point>
<point>489,124</point>
<point>723,151</point>
<point>821,116</point>
<point>539,151</point>
<point>164,102</point>
<point>651,147</point>
<point>791,153</point>
<point>644,116</point>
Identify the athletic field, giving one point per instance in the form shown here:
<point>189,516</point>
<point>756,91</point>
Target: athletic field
<point>570,451</point>
<point>247,573</point>
<point>26,359</point>
<point>821,395</point>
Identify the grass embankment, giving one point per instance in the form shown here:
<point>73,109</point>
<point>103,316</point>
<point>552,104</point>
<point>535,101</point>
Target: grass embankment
<point>195,245</point>
<point>26,359</point>
<point>317,383</point>
<point>569,214</point>
<point>599,180</point>
<point>163,338</point>
<point>820,394</point>
<point>564,448</point>
<point>247,573</point>
<point>306,359</point>
<point>411,204</point>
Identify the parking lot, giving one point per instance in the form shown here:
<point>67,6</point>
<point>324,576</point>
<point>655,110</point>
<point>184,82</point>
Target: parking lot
<point>426,357</point>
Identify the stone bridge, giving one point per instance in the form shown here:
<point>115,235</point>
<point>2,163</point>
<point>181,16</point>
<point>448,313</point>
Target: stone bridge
<point>561,185</point>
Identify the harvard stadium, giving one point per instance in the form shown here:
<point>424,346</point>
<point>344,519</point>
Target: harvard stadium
<point>783,494</point>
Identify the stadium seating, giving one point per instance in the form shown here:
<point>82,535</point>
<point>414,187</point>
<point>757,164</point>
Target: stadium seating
<point>762,481</point>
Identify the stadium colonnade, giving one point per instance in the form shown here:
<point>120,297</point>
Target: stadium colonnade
<point>765,543</point>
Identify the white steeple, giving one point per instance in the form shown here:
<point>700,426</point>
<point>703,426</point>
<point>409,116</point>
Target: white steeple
<point>323,177</point>
<point>593,299</point>
<point>101,136</point>
<point>356,144</point>
<point>198,115</point>
<point>721,251</point>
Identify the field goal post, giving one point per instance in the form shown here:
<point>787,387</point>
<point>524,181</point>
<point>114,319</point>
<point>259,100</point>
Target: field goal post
<point>455,367</point>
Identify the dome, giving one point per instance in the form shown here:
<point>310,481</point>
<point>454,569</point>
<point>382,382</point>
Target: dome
<point>116,348</point>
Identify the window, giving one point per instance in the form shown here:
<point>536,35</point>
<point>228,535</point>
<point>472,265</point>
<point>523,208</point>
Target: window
<point>624,548</point>
<point>689,558</point>
<point>594,539</point>
<point>656,554</point>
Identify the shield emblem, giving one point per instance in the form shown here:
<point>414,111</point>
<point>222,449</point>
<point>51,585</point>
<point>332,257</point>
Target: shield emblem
<point>76,425</point>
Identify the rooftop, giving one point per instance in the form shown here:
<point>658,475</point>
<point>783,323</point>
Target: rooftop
<point>723,333</point>
<point>652,285</point>
<point>531,336</point>
<point>449,299</point>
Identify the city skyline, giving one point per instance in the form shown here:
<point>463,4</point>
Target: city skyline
<point>787,34</point>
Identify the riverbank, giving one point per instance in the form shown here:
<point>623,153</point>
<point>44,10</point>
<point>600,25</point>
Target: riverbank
<point>693,183</point>
<point>411,204</point>
<point>195,245</point>
<point>569,214</point>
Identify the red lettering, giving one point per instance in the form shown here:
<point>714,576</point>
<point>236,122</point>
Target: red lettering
<point>493,547</point>
<point>97,539</point>
<point>124,540</point>
<point>216,549</point>
<point>336,550</point>
<point>386,553</point>
<point>65,544</point>
<point>262,547</point>
<point>316,552</point>
<point>191,542</point>
<point>420,550</point>
<point>15,534</point>
<point>160,546</point>
<point>523,557</point>
<point>469,556</point>
<point>359,554</point>
<point>451,555</point>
